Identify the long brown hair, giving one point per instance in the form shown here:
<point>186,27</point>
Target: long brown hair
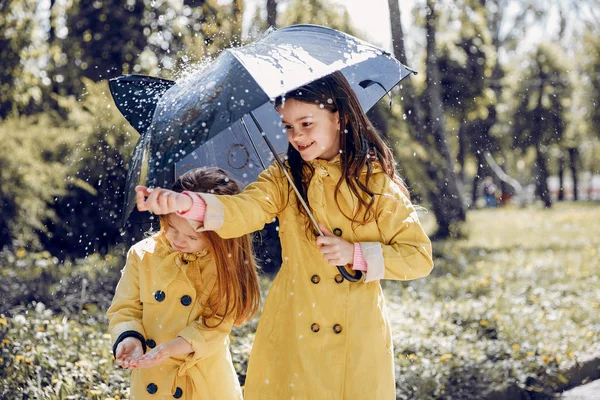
<point>361,146</point>
<point>237,280</point>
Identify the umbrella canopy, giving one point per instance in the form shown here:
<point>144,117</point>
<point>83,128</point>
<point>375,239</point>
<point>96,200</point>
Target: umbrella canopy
<point>204,118</point>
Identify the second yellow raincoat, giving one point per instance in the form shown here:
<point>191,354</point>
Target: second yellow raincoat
<point>320,336</point>
<point>161,295</point>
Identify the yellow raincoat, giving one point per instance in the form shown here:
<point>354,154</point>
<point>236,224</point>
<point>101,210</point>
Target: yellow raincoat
<point>320,336</point>
<point>160,296</point>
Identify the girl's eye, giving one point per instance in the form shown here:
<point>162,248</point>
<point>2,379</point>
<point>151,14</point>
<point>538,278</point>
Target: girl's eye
<point>306,124</point>
<point>288,127</point>
<point>193,239</point>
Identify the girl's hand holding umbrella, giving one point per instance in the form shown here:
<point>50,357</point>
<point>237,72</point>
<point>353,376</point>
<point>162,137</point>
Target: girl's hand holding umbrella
<point>335,250</point>
<point>161,201</point>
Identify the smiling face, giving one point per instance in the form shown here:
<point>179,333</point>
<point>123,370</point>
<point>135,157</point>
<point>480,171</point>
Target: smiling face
<point>312,130</point>
<point>181,235</point>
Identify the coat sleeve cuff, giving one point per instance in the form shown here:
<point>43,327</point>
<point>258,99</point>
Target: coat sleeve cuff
<point>198,209</point>
<point>214,215</point>
<point>373,255</point>
<point>359,263</point>
<point>127,334</point>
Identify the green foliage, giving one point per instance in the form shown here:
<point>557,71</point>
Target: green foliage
<point>316,12</point>
<point>516,304</point>
<point>592,79</point>
<point>15,37</point>
<point>543,95</point>
<point>105,37</point>
<point>32,172</point>
<point>89,215</point>
<point>62,181</point>
<point>51,356</point>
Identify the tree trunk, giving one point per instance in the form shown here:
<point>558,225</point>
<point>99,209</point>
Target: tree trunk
<point>477,179</point>
<point>541,177</point>
<point>445,197</point>
<point>449,205</point>
<point>573,161</point>
<point>561,176</point>
<point>271,13</point>
<point>237,18</point>
<point>462,150</point>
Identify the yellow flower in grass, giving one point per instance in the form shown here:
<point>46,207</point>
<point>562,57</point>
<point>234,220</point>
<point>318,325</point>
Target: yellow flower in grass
<point>21,253</point>
<point>411,356</point>
<point>3,321</point>
<point>516,347</point>
<point>19,358</point>
<point>483,323</point>
<point>446,357</point>
<point>546,359</point>
<point>5,341</point>
<point>530,354</point>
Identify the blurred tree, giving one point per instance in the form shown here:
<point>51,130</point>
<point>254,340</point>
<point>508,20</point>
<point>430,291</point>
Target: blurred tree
<point>104,38</point>
<point>318,12</point>
<point>32,172</point>
<point>591,77</point>
<point>88,214</point>
<point>470,77</point>
<point>427,126</point>
<point>543,96</point>
<point>17,93</point>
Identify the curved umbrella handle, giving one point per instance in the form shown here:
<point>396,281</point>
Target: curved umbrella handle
<point>347,275</point>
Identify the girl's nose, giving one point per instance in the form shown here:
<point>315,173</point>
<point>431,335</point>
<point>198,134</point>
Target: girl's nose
<point>296,133</point>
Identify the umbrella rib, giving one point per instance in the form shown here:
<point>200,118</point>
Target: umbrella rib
<point>252,141</point>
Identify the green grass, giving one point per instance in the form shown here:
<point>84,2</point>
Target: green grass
<point>515,302</point>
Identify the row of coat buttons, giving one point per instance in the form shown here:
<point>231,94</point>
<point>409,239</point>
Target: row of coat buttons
<point>337,328</point>
<point>152,389</point>
<point>316,278</point>
<point>159,295</point>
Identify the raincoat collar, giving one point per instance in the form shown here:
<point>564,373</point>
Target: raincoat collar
<point>333,167</point>
<point>174,261</point>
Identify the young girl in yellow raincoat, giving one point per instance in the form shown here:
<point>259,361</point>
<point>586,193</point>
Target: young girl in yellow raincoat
<point>321,336</point>
<point>178,297</point>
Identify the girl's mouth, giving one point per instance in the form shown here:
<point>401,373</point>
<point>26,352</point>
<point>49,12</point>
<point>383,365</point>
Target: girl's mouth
<point>304,147</point>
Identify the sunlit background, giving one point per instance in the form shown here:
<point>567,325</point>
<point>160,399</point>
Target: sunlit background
<point>498,138</point>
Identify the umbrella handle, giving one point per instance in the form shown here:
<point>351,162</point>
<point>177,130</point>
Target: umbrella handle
<point>347,275</point>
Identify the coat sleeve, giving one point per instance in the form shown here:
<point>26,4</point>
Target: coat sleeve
<point>404,252</point>
<point>125,311</point>
<point>249,211</point>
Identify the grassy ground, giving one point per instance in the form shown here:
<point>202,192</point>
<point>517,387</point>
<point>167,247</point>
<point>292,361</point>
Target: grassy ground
<point>516,302</point>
